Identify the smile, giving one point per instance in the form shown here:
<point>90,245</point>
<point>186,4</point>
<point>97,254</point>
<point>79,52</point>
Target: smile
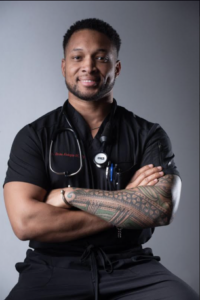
<point>88,82</point>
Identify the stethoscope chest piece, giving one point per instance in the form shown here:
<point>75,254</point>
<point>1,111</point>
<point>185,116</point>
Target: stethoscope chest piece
<point>100,160</point>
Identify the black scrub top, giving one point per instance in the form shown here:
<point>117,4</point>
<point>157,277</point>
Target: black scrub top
<point>133,143</point>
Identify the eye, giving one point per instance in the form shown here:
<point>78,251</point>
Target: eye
<point>76,58</point>
<point>102,58</point>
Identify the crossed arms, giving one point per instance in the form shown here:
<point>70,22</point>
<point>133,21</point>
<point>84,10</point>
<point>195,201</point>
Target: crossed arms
<point>149,200</point>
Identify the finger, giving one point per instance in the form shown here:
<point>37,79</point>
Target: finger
<point>140,171</point>
<point>144,172</point>
<point>141,176</point>
<point>150,178</point>
<point>144,169</point>
<point>145,177</point>
<point>153,182</point>
<point>130,186</point>
<point>148,182</point>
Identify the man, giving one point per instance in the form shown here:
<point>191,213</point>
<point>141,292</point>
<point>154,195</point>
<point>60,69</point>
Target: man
<point>88,182</point>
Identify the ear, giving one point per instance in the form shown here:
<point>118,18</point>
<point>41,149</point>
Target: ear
<point>63,65</point>
<point>117,68</point>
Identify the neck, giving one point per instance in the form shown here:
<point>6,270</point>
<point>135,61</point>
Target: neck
<point>94,112</point>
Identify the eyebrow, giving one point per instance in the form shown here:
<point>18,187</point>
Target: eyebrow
<point>77,49</point>
<point>98,50</point>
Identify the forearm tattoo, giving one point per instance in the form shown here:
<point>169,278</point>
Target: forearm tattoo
<point>141,207</point>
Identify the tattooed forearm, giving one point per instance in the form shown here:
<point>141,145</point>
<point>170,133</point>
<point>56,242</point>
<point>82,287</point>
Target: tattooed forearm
<point>141,207</point>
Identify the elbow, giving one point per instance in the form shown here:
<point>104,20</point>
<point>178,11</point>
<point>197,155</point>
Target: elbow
<point>172,207</point>
<point>168,220</point>
<point>169,213</point>
<point>170,201</point>
<point>21,230</point>
<point>167,216</point>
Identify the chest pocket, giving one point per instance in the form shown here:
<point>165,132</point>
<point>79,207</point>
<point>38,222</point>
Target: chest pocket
<point>124,175</point>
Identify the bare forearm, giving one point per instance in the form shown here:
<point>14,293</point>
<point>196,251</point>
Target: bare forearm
<point>31,218</point>
<point>59,225</point>
<point>141,207</point>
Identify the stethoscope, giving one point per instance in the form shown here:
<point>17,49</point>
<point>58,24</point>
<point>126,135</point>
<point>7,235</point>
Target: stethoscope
<point>101,159</point>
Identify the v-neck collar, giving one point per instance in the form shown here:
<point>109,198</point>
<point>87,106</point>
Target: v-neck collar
<point>81,127</point>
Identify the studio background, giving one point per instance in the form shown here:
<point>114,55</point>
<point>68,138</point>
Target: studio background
<point>159,81</point>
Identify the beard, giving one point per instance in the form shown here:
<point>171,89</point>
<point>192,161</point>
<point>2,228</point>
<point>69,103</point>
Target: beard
<point>102,91</point>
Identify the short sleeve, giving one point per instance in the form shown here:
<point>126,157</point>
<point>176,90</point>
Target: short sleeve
<point>26,162</point>
<point>158,151</point>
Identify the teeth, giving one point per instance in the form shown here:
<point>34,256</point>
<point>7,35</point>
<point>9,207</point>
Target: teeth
<point>88,81</point>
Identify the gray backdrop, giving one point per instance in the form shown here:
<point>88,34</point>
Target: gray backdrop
<point>159,81</point>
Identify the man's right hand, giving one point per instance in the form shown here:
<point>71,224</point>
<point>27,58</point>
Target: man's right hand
<point>147,175</point>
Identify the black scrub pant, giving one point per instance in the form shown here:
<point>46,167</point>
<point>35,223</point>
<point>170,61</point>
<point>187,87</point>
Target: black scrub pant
<point>128,275</point>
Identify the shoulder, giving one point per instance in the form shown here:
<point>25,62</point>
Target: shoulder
<point>46,121</point>
<point>33,131</point>
<point>145,132</point>
<point>137,122</point>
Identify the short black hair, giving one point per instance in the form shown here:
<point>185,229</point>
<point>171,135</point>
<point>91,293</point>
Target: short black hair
<point>94,24</point>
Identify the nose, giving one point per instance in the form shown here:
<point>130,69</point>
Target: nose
<point>89,65</point>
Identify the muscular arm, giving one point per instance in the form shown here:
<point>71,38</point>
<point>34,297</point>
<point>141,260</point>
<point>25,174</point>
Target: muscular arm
<point>136,208</point>
<point>31,218</point>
